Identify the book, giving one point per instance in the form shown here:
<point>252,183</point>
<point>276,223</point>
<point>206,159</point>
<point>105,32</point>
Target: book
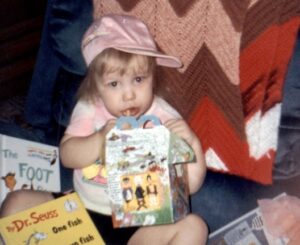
<point>63,219</point>
<point>247,229</point>
<point>26,164</point>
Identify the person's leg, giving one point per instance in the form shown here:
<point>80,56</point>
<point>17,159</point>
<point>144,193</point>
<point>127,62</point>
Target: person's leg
<point>20,200</point>
<point>190,230</point>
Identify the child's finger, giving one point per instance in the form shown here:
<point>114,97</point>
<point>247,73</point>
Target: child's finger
<point>109,125</point>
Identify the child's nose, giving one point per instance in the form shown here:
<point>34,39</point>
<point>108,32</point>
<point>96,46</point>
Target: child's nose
<point>129,94</point>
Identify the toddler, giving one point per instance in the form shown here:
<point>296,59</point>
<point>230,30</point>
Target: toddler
<point>121,56</point>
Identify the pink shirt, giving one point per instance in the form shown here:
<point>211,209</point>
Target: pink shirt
<point>88,118</point>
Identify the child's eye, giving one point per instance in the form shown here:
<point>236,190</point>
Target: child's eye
<point>113,84</point>
<point>139,79</point>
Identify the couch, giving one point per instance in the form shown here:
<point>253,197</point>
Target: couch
<point>51,97</point>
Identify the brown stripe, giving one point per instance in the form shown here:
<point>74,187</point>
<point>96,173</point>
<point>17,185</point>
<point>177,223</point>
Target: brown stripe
<point>204,77</point>
<point>182,7</point>
<point>291,8</point>
<point>126,5</point>
<point>236,10</point>
<point>259,17</point>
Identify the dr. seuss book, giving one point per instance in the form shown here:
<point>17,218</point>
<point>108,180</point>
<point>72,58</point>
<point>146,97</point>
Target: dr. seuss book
<point>27,165</point>
<point>146,182</point>
<point>61,221</point>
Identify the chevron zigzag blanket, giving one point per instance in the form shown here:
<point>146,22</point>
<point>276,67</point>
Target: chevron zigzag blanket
<point>235,56</point>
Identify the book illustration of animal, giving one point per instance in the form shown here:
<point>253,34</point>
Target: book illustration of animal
<point>10,180</point>
<point>35,238</point>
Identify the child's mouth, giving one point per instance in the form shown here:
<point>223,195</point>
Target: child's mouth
<point>130,112</point>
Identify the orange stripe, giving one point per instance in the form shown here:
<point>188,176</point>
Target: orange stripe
<point>215,132</point>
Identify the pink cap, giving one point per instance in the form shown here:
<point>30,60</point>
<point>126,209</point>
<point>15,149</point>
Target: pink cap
<point>124,33</point>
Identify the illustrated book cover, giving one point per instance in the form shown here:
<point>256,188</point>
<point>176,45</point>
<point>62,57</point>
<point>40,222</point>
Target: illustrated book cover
<point>26,164</point>
<point>61,221</point>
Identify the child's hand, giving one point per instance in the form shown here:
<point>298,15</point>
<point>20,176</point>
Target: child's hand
<point>108,126</point>
<point>197,170</point>
<point>79,152</point>
<point>182,129</point>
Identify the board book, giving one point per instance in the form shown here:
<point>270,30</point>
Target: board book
<point>26,164</point>
<point>61,221</point>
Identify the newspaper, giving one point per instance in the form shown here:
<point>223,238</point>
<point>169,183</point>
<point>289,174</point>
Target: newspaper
<point>248,229</point>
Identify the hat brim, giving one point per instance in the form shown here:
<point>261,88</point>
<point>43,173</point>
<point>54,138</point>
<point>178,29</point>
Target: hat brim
<point>161,59</point>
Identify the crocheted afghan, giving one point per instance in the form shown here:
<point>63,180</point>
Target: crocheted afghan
<point>235,56</point>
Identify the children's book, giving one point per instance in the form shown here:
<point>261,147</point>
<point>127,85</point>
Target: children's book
<point>26,164</point>
<point>248,229</point>
<point>61,221</point>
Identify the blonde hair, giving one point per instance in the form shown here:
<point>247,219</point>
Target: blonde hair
<point>112,60</point>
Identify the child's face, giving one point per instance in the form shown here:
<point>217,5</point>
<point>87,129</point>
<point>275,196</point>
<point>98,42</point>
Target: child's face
<point>128,94</point>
